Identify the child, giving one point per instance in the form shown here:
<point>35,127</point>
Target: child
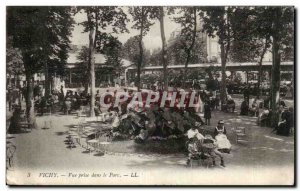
<point>217,101</point>
<point>207,113</point>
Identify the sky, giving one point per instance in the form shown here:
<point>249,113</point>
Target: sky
<point>152,40</point>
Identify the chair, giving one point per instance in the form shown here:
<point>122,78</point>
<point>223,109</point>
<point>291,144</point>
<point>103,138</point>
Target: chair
<point>240,133</point>
<point>70,139</point>
<point>200,157</point>
<point>10,151</point>
<point>94,142</point>
<point>201,160</point>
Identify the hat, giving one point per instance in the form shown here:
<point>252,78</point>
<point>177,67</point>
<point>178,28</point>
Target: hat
<point>221,122</point>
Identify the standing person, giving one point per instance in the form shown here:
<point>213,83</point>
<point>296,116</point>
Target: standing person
<point>254,110</point>
<point>207,113</point>
<point>62,98</point>
<point>97,96</point>
<point>217,101</point>
<point>9,98</point>
<point>247,93</point>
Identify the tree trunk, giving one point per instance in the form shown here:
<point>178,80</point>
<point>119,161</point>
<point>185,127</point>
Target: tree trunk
<point>260,66</point>
<point>86,86</point>
<point>138,80</point>
<point>30,101</point>
<point>138,84</point>
<point>47,80</point>
<point>224,54</point>
<point>275,84</point>
<point>86,79</point>
<point>164,48</point>
<point>223,95</point>
<point>92,66</point>
<point>188,52</point>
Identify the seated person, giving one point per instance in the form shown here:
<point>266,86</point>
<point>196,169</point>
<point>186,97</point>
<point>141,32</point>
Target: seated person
<point>230,105</point>
<point>194,133</point>
<point>254,109</point>
<point>220,129</point>
<point>210,146</point>
<point>264,119</point>
<point>244,108</point>
<point>286,124</point>
<point>223,144</point>
<point>14,121</point>
<point>194,140</point>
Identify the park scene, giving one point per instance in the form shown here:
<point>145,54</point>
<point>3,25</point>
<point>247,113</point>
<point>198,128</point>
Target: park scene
<point>185,95</point>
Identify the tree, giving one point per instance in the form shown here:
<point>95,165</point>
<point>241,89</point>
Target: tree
<point>83,57</point>
<point>251,37</point>
<point>14,62</point>
<point>159,13</point>
<point>275,25</point>
<point>131,51</point>
<point>164,47</point>
<point>98,20</point>
<point>217,22</point>
<point>112,50</point>
<point>42,35</point>
<point>188,22</point>
<point>142,21</point>
<point>283,20</point>
<point>177,55</point>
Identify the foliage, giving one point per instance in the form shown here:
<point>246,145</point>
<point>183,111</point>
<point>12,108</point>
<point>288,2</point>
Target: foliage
<point>112,50</point>
<point>142,21</point>
<point>41,34</point>
<point>14,62</point>
<point>130,51</point>
<point>217,22</point>
<point>99,19</point>
<point>189,31</point>
<point>142,18</point>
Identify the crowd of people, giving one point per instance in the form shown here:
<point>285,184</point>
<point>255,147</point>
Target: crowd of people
<point>156,122</point>
<point>262,110</point>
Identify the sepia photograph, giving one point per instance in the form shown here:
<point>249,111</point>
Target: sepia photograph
<point>150,95</point>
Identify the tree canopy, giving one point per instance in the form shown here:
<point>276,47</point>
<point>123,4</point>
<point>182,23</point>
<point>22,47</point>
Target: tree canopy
<point>41,34</point>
